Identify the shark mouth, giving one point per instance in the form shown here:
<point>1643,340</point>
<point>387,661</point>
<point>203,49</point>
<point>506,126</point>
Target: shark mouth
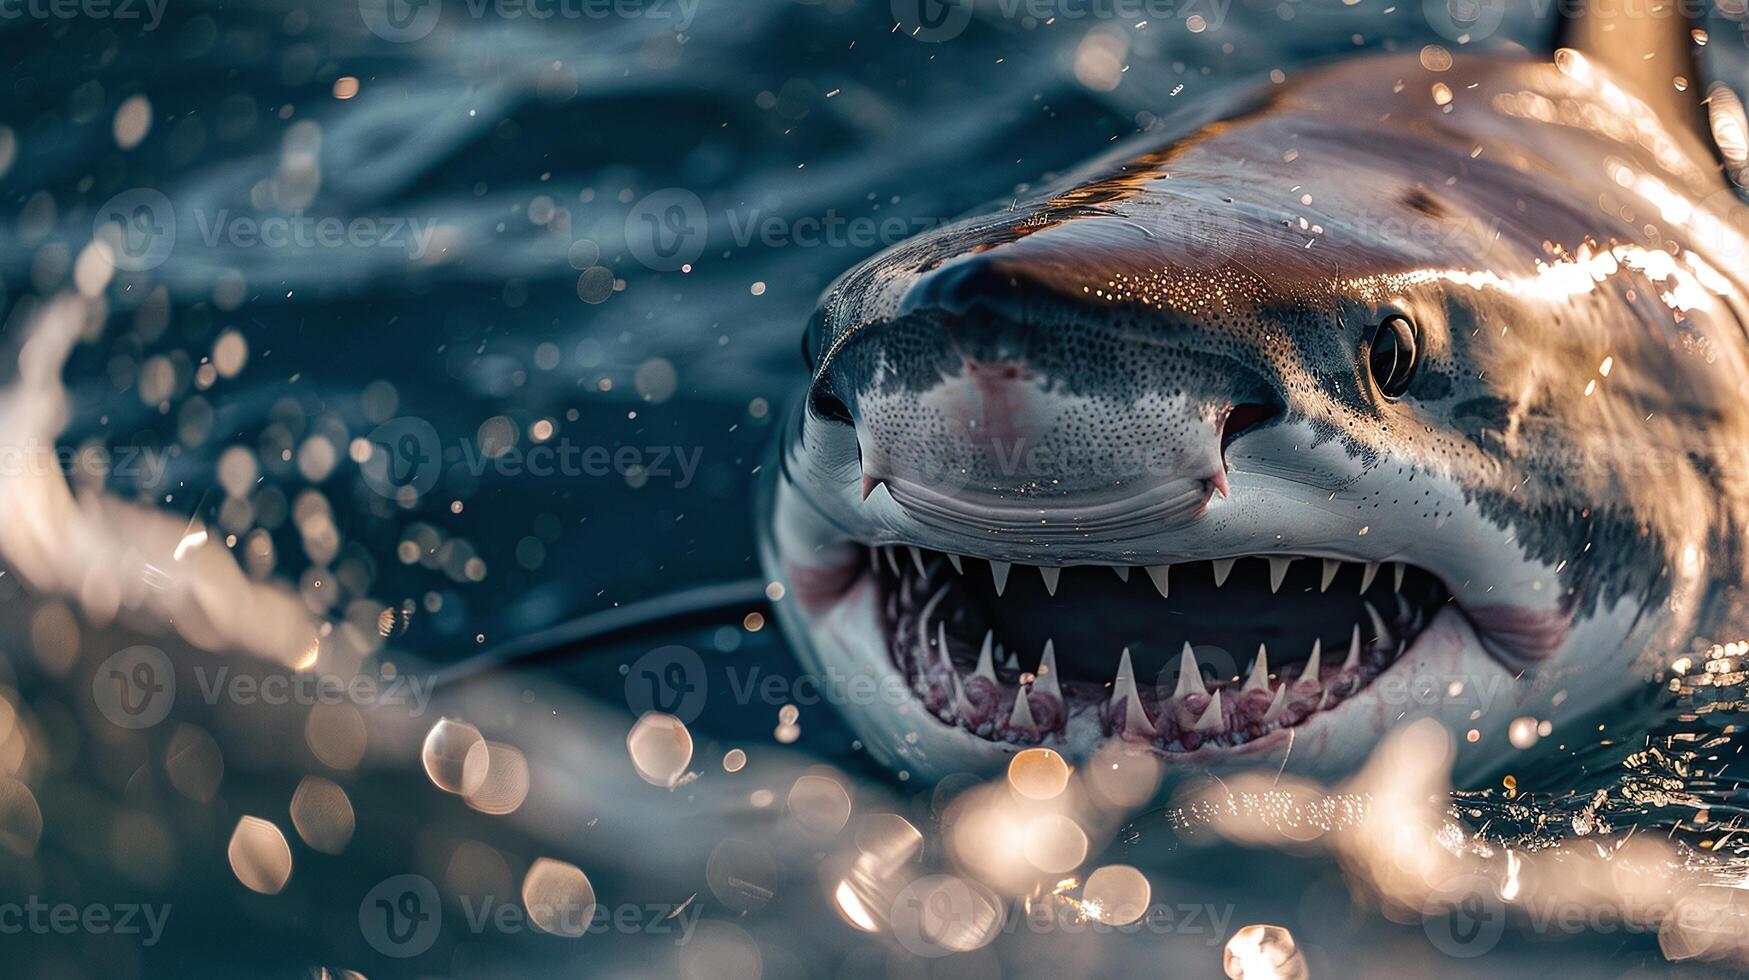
<point>1185,656</point>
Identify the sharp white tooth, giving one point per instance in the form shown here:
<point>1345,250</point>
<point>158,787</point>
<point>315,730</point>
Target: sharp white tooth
<point>999,575</point>
<point>1011,660</point>
<point>1331,567</point>
<point>1124,686</point>
<point>1403,611</point>
<point>892,560</point>
<point>879,496</point>
<point>1259,679</point>
<point>1189,675</point>
<point>1157,574</point>
<point>1021,716</point>
<point>1050,573</point>
<point>1276,705</point>
<point>1310,673</point>
<point>1397,570</point>
<point>916,558</point>
<point>1378,622</point>
<point>1211,720</point>
<point>1047,673</point>
<point>923,641</point>
<point>1366,577</point>
<point>1126,677</point>
<point>1123,571</point>
<point>1223,568</point>
<point>954,560</point>
<point>1278,571</point>
<point>986,662</point>
<point>963,705</point>
<point>1353,661</point>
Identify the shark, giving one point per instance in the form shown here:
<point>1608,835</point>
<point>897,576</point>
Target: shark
<point>1410,387</point>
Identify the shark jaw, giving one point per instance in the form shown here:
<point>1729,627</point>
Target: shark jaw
<point>1281,639</point>
<point>1481,633</point>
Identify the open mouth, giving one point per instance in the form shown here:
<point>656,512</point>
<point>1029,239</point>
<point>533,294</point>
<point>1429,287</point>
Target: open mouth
<point>1184,656</point>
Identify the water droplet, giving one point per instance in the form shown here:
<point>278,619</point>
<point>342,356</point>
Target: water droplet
<point>1263,952</point>
<point>660,747</point>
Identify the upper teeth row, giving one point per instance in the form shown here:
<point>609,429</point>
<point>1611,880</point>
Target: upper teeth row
<point>1160,575</point>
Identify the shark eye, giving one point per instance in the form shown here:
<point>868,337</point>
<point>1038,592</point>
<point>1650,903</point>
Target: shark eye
<point>1392,355</point>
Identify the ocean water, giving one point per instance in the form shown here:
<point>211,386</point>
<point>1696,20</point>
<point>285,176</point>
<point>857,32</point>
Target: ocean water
<point>557,257</point>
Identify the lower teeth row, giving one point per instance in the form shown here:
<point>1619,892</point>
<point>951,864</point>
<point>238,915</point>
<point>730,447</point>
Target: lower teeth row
<point>1189,716</point>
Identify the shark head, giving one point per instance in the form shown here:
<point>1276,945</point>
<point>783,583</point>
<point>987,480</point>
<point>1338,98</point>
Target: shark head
<point>1250,445</point>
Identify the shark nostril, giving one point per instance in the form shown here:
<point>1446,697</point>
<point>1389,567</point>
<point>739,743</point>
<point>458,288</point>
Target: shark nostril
<point>1245,417</point>
<point>832,408</point>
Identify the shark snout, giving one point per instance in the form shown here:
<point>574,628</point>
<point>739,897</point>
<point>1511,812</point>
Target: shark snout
<point>996,401</point>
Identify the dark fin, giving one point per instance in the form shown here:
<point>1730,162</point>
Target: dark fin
<point>1646,46</point>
